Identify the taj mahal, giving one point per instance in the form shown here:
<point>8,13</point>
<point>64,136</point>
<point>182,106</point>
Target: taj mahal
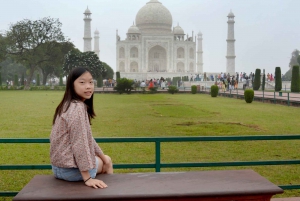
<point>154,48</point>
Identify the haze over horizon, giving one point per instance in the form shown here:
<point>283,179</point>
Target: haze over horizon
<point>266,32</point>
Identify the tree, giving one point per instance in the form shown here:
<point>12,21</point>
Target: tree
<point>57,57</point>
<point>3,46</point>
<point>25,38</point>
<point>295,83</point>
<point>89,60</point>
<point>278,81</point>
<point>109,71</point>
<point>11,68</point>
<point>294,59</point>
<point>256,83</point>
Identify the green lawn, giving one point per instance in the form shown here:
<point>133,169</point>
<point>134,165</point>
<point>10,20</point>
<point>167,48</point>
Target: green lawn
<point>28,114</point>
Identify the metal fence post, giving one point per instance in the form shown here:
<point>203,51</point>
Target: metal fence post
<point>288,99</point>
<point>274,98</point>
<point>157,156</point>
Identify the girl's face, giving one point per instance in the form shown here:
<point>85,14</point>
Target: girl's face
<point>84,86</point>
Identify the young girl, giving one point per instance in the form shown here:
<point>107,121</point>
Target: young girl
<point>74,153</point>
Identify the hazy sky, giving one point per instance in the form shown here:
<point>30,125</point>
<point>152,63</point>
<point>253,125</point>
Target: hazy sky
<point>266,31</point>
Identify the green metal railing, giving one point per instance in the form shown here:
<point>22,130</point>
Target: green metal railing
<point>158,165</point>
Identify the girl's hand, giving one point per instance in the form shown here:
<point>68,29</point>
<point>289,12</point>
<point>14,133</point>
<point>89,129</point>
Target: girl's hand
<point>95,183</point>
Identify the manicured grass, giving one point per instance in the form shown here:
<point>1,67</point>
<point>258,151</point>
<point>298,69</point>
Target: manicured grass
<point>28,114</point>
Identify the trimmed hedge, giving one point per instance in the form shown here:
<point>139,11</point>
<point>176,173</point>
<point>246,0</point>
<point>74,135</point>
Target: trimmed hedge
<point>38,80</point>
<point>214,89</point>
<point>295,83</point>
<point>16,81</point>
<point>61,81</point>
<point>118,76</point>
<point>22,80</point>
<point>256,83</point>
<point>124,85</point>
<point>263,82</point>
<point>172,89</point>
<point>100,81</point>
<point>153,90</point>
<point>249,95</point>
<point>278,81</point>
<point>194,89</point>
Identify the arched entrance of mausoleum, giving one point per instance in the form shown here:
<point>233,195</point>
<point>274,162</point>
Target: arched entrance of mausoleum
<point>157,59</point>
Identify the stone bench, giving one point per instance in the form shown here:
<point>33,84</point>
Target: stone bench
<point>227,185</point>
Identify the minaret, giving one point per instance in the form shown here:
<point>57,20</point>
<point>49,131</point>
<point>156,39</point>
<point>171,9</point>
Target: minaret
<point>96,43</point>
<point>200,54</point>
<point>230,66</point>
<point>87,39</point>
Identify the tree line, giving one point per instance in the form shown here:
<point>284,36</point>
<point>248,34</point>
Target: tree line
<point>30,46</point>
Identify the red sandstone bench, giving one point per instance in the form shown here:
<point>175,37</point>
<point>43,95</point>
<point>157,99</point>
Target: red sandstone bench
<point>228,185</point>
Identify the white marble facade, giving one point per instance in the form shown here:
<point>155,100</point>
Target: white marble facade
<point>153,49</point>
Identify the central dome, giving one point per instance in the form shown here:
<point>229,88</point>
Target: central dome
<point>154,18</point>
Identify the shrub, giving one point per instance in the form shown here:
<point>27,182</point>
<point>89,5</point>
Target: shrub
<point>172,89</point>
<point>256,83</point>
<point>249,95</point>
<point>278,81</point>
<point>59,88</point>
<point>214,89</point>
<point>118,76</point>
<point>33,88</point>
<point>295,83</point>
<point>194,89</point>
<point>153,90</point>
<point>124,85</point>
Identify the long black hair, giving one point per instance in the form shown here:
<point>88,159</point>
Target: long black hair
<point>71,95</point>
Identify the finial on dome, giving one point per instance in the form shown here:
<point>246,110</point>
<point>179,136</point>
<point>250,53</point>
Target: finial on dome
<point>87,11</point>
<point>230,14</point>
<point>153,1</point>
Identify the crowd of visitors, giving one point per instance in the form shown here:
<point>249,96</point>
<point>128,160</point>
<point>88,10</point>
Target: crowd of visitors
<point>224,81</point>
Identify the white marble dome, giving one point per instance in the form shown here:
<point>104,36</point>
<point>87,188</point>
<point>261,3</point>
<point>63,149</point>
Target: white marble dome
<point>133,30</point>
<point>178,30</point>
<point>154,18</point>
